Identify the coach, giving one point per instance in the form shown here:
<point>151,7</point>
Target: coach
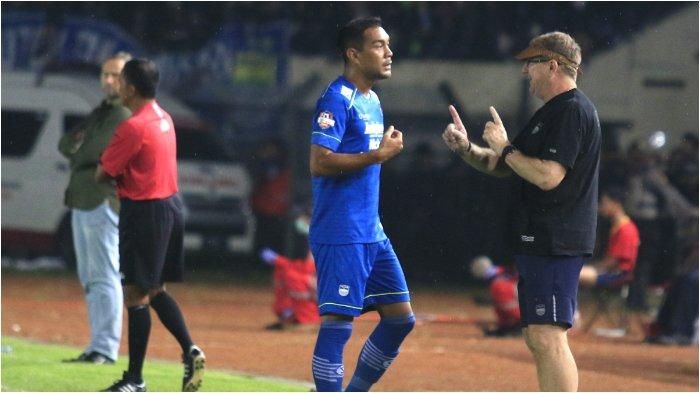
<point>141,157</point>
<point>556,157</point>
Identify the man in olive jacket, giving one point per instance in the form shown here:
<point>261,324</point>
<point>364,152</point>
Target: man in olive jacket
<point>95,218</point>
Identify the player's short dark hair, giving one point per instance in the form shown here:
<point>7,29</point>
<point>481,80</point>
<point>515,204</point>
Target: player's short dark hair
<point>352,34</point>
<point>143,75</point>
<point>616,193</point>
<point>121,55</point>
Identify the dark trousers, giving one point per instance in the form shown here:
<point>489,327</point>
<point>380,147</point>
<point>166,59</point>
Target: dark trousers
<point>680,307</point>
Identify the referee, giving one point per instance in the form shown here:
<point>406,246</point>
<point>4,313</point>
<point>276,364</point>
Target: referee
<point>141,158</point>
<point>556,158</point>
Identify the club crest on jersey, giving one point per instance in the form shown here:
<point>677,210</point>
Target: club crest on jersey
<point>343,290</point>
<point>325,120</point>
<point>539,310</point>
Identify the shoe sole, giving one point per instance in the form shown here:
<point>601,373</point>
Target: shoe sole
<point>196,381</point>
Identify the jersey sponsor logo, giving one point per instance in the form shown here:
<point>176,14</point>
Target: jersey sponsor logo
<point>325,120</point>
<point>343,290</point>
<point>528,239</point>
<point>537,128</point>
<point>374,129</point>
<point>375,132</point>
<point>553,151</point>
<point>540,310</point>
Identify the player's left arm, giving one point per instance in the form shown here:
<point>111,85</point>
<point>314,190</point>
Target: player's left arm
<point>545,174</point>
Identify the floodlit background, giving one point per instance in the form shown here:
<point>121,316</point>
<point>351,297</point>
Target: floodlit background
<point>241,80</point>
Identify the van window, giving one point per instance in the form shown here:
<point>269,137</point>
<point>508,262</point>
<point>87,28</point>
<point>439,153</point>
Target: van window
<point>20,129</point>
<point>71,122</point>
<point>193,144</point>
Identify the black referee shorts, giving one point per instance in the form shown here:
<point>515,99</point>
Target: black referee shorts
<point>151,242</point>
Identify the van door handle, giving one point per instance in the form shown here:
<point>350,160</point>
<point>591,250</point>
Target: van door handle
<point>61,166</point>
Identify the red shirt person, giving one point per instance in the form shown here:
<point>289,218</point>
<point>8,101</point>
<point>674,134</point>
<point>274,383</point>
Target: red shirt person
<point>623,245</point>
<point>141,157</point>
<point>616,268</point>
<point>503,287</point>
<point>294,282</point>
<point>504,293</point>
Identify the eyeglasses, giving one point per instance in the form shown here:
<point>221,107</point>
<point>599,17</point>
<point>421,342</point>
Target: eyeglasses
<point>536,60</point>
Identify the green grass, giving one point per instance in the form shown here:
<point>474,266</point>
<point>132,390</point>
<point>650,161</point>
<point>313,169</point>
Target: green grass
<point>30,366</point>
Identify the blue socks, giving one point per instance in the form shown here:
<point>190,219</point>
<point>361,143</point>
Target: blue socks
<point>327,364</point>
<point>379,351</point>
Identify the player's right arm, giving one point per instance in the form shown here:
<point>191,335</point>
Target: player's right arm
<point>325,162</point>
<point>333,116</point>
<point>480,158</point>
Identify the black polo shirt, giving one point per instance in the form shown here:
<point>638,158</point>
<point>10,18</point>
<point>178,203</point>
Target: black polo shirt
<point>561,221</point>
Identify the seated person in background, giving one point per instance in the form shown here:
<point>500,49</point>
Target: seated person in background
<point>677,320</point>
<point>503,286</point>
<point>616,268</point>
<point>294,282</point>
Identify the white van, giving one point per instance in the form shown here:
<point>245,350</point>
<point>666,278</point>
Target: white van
<point>35,114</point>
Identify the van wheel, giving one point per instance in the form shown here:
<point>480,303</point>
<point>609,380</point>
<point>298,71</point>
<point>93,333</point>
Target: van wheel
<point>64,242</point>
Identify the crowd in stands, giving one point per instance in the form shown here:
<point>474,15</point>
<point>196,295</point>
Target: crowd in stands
<point>444,30</point>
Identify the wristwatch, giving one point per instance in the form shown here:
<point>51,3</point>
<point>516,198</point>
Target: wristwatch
<point>507,150</point>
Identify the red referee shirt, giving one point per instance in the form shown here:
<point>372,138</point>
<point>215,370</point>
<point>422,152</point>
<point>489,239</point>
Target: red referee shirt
<point>141,155</point>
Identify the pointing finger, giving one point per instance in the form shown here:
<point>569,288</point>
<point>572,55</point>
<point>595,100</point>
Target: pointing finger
<point>496,118</point>
<point>455,118</point>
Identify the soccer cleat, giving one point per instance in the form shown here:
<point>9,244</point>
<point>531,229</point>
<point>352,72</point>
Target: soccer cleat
<point>127,384</point>
<point>92,357</point>
<point>194,369</point>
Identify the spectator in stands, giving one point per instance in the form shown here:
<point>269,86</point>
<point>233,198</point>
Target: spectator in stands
<point>422,29</point>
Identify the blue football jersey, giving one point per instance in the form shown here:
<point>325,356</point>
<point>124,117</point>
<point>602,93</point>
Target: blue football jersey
<point>346,207</point>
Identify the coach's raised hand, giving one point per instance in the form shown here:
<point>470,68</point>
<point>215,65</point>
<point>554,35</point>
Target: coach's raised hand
<point>391,144</point>
<point>455,135</point>
<point>495,134</point>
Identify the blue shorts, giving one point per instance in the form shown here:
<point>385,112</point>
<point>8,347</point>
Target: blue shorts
<point>547,289</point>
<point>354,278</point>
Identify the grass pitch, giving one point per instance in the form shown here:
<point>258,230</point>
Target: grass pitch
<point>30,366</point>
